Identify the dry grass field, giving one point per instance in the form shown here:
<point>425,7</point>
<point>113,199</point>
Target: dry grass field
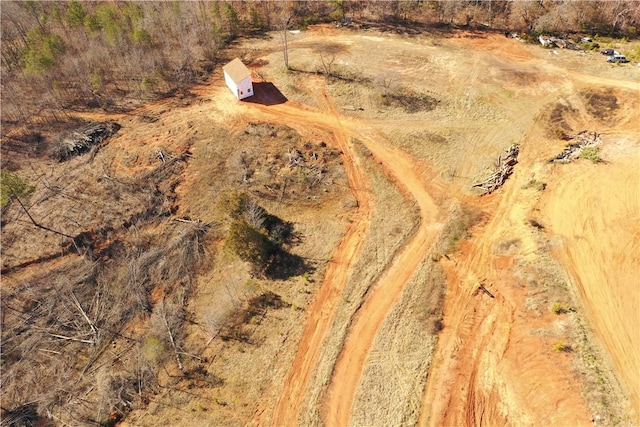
<point>376,316</point>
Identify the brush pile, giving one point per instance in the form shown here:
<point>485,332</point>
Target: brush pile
<point>82,140</point>
<point>573,149</point>
<point>504,168</point>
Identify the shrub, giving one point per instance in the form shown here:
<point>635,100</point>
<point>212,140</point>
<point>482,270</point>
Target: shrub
<point>42,51</point>
<point>250,244</point>
<point>560,346</point>
<point>12,185</point>
<point>154,350</point>
<point>560,308</point>
<point>233,204</point>
<point>591,153</point>
<point>633,55</point>
<point>534,183</point>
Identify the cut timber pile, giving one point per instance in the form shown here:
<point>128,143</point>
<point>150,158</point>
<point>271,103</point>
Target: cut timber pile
<point>504,168</point>
<point>81,140</point>
<point>573,149</point>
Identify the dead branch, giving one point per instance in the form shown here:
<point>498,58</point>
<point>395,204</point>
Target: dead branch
<point>86,317</point>
<point>504,169</point>
<point>33,221</point>
<point>173,342</point>
<point>63,337</point>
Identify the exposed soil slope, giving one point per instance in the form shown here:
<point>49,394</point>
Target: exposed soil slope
<point>596,212</point>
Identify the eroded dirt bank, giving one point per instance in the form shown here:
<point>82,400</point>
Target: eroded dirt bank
<point>595,211</point>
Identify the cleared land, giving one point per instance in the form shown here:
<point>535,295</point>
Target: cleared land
<point>388,325</point>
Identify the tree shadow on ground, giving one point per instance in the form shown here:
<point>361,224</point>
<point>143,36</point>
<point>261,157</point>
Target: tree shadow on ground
<point>285,265</point>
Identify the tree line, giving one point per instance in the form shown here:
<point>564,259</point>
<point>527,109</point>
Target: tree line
<point>64,55</point>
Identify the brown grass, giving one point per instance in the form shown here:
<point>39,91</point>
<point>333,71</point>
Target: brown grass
<point>402,353</point>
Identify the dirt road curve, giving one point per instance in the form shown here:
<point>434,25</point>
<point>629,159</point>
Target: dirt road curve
<point>348,370</point>
<point>321,313</point>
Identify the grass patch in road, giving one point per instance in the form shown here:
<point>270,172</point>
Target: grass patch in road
<point>392,222</point>
<point>456,229</point>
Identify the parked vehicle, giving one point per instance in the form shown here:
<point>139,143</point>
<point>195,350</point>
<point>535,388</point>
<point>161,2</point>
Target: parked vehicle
<point>617,58</point>
<point>608,52</point>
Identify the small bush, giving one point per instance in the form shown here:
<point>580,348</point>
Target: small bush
<point>591,46</point>
<point>535,184</point>
<point>560,308</point>
<point>560,346</point>
<point>13,185</point>
<point>633,55</point>
<point>591,153</point>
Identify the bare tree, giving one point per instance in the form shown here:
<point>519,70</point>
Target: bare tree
<point>327,58</point>
<point>167,318</point>
<point>284,20</point>
<point>387,81</point>
<point>255,214</point>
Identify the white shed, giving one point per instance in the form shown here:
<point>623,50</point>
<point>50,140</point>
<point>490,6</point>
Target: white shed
<point>238,78</point>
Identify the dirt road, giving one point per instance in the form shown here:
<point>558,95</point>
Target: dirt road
<point>348,370</point>
<point>404,171</point>
<point>490,367</point>
<point>487,341</point>
<point>321,313</point>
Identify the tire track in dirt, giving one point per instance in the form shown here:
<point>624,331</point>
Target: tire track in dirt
<point>487,343</point>
<point>337,407</point>
<point>322,311</point>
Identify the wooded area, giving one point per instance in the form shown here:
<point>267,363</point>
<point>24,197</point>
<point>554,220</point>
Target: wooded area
<point>116,55</point>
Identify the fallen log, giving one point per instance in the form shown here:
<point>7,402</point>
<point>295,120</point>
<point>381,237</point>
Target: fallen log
<point>485,290</point>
